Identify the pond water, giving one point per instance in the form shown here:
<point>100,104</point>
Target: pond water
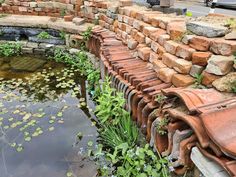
<point>45,120</point>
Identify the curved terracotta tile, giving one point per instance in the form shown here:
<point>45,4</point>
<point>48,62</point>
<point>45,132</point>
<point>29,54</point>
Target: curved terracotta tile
<point>220,124</point>
<point>194,98</point>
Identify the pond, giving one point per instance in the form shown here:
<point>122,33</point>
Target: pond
<point>45,119</point>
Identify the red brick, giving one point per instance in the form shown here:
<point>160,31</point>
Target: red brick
<point>182,66</point>
<point>154,36</point>
<point>163,38</point>
<point>148,30</point>
<point>140,37</point>
<point>144,53</point>
<point>180,80</point>
<point>223,47</point>
<point>171,47</point>
<point>153,57</point>
<point>176,30</point>
<point>68,18</point>
<point>158,64</point>
<point>185,52</point>
<point>165,74</point>
<point>208,78</point>
<point>200,43</point>
<point>201,58</point>
<point>169,59</point>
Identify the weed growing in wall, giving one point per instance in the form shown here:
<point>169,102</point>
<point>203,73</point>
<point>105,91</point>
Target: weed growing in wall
<point>43,35</point>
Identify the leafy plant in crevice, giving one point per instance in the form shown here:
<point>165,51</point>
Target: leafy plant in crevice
<point>160,98</point>
<point>86,36</point>
<point>160,127</point>
<point>43,35</point>
<point>198,81</point>
<point>10,49</point>
<point>62,12</point>
<point>231,23</point>
<point>189,14</point>
<point>62,35</point>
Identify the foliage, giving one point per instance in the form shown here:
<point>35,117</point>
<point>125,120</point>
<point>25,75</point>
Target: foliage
<point>138,161</point>
<point>160,98</point>
<point>1,2</point>
<point>163,122</point>
<point>189,14</point>
<point>234,87</point>
<point>86,36</point>
<point>63,12</point>
<point>1,33</point>
<point>124,132</point>
<point>43,35</point>
<point>198,81</point>
<point>231,23</point>
<point>10,49</point>
<point>62,35</point>
<point>110,105</point>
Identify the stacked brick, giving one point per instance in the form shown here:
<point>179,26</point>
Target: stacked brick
<point>55,8</point>
<point>163,41</point>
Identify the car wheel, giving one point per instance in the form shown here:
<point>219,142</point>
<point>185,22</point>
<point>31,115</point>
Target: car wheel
<point>209,3</point>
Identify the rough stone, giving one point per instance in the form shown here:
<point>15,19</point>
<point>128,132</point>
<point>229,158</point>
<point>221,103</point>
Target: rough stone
<point>201,58</point>
<point>206,29</point>
<point>187,38</point>
<point>223,47</point>
<point>153,57</point>
<point>220,65</point>
<point>165,74</point>
<point>196,70</point>
<point>32,45</point>
<point>176,29</point>
<point>52,40</point>
<point>154,46</point>
<point>163,38</point>
<point>180,80</point>
<point>78,21</point>
<point>226,83</point>
<point>169,59</point>
<point>157,65</point>
<point>231,35</point>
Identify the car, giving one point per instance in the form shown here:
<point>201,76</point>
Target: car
<point>225,3</point>
<point>153,2</point>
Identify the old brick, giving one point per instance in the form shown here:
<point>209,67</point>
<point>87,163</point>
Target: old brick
<point>165,74</point>
<point>184,52</point>
<point>223,47</point>
<point>169,59</point>
<point>153,57</point>
<point>144,53</point>
<point>200,43</point>
<point>154,36</point>
<point>132,44</point>
<point>163,38</point>
<point>140,37</point>
<point>148,41</point>
<point>171,46</point>
<point>68,18</point>
<point>176,29</point>
<point>148,30</point>
<point>161,50</point>
<point>201,58</point>
<point>125,3</point>
<point>180,80</point>
<point>182,66</point>
<point>196,70</point>
<point>155,46</point>
<point>158,64</point>
<point>208,78</point>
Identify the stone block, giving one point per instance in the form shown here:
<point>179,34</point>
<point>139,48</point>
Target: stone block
<point>169,59</point>
<point>153,57</point>
<point>163,38</point>
<point>182,66</point>
<point>176,30</point>
<point>220,65</point>
<point>132,44</point>
<point>223,47</point>
<point>158,64</point>
<point>154,36</point>
<point>171,47</point>
<point>144,53</point>
<point>185,52</point>
<point>155,46</point>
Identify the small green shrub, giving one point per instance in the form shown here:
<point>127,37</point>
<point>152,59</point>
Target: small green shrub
<point>160,98</point>
<point>43,35</point>
<point>198,81</point>
<point>231,23</point>
<point>62,35</point>
<point>62,12</point>
<point>86,36</point>
<point>163,122</point>
<point>10,49</point>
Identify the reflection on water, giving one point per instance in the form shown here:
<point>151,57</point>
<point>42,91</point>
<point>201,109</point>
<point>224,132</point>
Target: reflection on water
<point>41,112</point>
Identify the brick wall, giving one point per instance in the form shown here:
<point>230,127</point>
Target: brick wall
<point>54,8</point>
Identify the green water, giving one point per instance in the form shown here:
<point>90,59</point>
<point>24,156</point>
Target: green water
<point>43,106</point>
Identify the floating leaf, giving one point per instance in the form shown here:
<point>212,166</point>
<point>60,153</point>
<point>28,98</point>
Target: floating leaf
<point>59,114</point>
<point>28,138</point>
<point>19,148</point>
<point>51,129</point>
<point>90,143</point>
<point>69,174</point>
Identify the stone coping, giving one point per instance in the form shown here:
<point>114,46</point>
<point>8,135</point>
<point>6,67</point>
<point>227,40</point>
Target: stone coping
<point>43,22</point>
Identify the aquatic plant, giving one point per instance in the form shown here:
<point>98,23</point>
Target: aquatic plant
<point>43,35</point>
<point>10,49</point>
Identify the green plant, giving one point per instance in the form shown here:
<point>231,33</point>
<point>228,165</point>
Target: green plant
<point>198,81</point>
<point>86,36</point>
<point>62,12</point>
<point>231,23</point>
<point>10,49</point>
<point>96,21</point>
<point>138,161</point>
<point>1,33</point>
<point>234,87</point>
<point>62,35</point>
<point>2,1</point>
<point>43,35</point>
<point>124,132</point>
<point>110,104</point>
<point>160,98</point>
<point>160,127</point>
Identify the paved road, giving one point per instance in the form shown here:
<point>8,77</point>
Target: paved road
<point>196,7</point>
<point>199,9</point>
